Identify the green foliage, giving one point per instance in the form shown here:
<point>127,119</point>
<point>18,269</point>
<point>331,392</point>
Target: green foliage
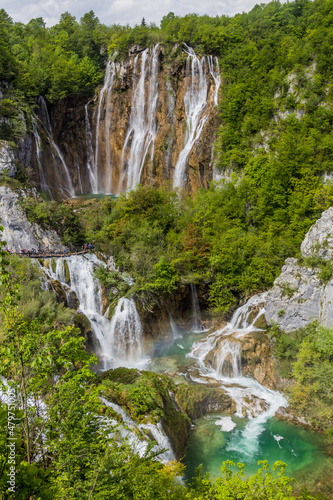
<point>54,215</point>
<point>306,358</point>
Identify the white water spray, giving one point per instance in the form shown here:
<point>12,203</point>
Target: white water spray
<point>142,128</point>
<point>120,339</point>
<point>104,99</point>
<point>252,399</point>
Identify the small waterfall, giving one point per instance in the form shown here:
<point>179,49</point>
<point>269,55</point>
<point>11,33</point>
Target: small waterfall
<point>104,98</point>
<point>251,398</point>
<point>196,325</point>
<point>216,76</point>
<point>228,359</point>
<point>90,152</point>
<point>140,446</point>
<point>195,100</point>
<point>126,330</point>
<point>173,327</point>
<point>142,127</point>
<point>120,339</point>
<point>44,186</point>
<point>66,186</point>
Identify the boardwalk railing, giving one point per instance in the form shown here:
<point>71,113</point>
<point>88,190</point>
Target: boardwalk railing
<point>50,255</point>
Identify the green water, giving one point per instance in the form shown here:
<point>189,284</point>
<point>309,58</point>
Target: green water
<point>299,448</point>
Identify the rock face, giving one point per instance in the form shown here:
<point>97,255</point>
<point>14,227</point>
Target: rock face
<point>7,160</point>
<point>18,232</point>
<point>299,296</point>
<point>133,131</point>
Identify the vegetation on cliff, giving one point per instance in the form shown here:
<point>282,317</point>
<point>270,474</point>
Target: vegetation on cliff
<point>305,359</point>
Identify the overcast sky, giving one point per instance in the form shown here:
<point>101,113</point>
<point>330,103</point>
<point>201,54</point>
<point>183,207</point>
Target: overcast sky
<point>120,11</point>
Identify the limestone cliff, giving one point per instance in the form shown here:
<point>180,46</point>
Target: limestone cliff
<point>300,294</point>
<point>155,114</point>
<point>18,232</point>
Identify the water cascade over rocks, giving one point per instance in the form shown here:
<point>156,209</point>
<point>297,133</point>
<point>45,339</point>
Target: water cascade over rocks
<point>62,181</point>
<point>120,339</point>
<point>92,173</point>
<point>253,400</point>
<point>142,128</point>
<point>196,316</point>
<point>100,183</point>
<point>132,431</point>
<point>195,101</point>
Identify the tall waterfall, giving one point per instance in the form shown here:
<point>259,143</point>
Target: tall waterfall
<point>196,325</point>
<point>227,370</point>
<point>104,185</point>
<point>142,127</point>
<point>195,101</point>
<point>64,181</point>
<point>90,152</point>
<point>120,339</point>
<point>38,142</point>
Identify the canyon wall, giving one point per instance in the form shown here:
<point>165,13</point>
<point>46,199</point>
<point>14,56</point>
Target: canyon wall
<point>154,121</point>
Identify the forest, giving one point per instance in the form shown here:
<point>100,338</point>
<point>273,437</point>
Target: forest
<point>275,143</point>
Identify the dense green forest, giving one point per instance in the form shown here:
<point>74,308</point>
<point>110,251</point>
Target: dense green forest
<point>274,142</point>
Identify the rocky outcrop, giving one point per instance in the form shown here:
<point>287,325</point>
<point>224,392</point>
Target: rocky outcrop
<point>18,232</point>
<point>94,138</point>
<point>299,295</point>
<point>199,400</point>
<point>7,160</point>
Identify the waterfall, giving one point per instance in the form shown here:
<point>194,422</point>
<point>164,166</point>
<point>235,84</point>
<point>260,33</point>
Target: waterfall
<point>173,327</point>
<point>228,359</point>
<point>120,339</point>
<point>196,325</point>
<point>140,446</point>
<point>90,152</point>
<point>126,330</point>
<point>67,187</point>
<point>142,127</point>
<point>104,97</point>
<point>195,100</point>
<point>216,76</point>
<point>251,398</point>
<point>44,186</point>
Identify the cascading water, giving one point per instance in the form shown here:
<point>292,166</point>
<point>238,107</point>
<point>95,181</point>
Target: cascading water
<point>38,142</point>
<point>104,185</point>
<point>195,101</point>
<point>90,152</point>
<point>196,325</point>
<point>64,183</point>
<point>120,339</point>
<point>228,359</point>
<point>215,72</point>
<point>142,127</point>
<point>253,399</point>
<point>140,446</point>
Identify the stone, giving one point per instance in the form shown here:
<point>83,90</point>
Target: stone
<point>318,241</point>
<point>7,160</point>
<point>18,232</point>
<point>299,296</point>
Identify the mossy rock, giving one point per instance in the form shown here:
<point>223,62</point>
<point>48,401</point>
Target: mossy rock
<point>67,273</point>
<point>53,265</point>
<point>121,375</point>
<point>197,400</point>
<point>82,322</point>
<point>261,322</point>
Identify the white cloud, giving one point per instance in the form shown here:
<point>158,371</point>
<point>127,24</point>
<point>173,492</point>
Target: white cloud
<point>121,11</point>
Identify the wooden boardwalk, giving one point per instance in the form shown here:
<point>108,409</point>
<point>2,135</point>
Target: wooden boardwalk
<point>50,255</point>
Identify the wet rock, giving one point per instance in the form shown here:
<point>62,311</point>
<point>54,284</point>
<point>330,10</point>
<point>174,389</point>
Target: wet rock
<point>199,400</point>
<point>7,160</point>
